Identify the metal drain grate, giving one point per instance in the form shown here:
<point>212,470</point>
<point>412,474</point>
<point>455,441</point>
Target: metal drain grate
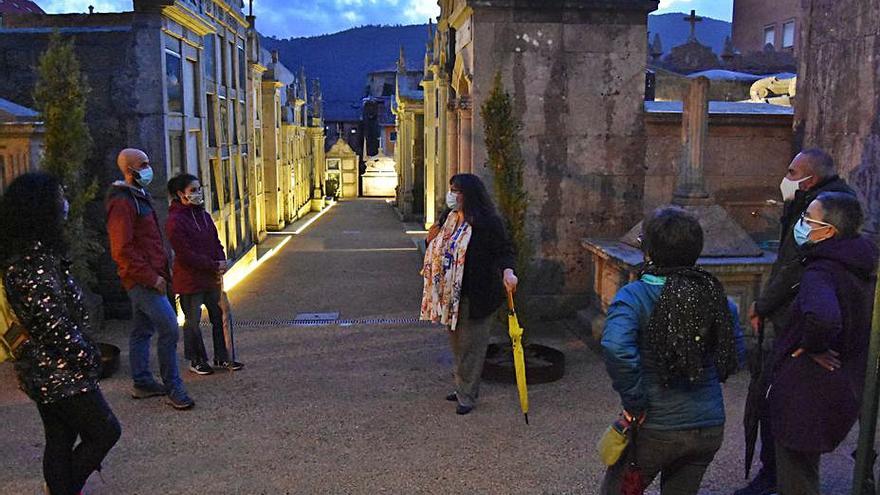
<point>282,323</point>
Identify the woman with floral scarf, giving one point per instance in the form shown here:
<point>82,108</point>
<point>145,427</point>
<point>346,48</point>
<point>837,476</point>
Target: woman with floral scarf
<point>468,265</point>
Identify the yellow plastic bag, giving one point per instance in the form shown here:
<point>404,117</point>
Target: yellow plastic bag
<point>613,443</point>
<point>12,334</point>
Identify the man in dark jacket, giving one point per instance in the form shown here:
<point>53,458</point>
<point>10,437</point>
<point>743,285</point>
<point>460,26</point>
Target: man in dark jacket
<point>811,173</point>
<point>139,252</point>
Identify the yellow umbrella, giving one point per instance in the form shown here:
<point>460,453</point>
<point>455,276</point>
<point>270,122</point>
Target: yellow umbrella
<point>519,361</point>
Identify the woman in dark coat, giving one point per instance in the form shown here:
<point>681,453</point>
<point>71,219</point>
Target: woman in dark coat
<point>199,264</point>
<point>468,265</point>
<point>821,356</point>
<point>58,365</point>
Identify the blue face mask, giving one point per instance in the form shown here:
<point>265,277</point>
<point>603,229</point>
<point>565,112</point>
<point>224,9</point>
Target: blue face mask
<point>802,233</point>
<point>143,176</point>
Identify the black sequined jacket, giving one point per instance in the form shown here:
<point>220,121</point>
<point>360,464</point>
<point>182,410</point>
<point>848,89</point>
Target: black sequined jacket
<point>58,360</point>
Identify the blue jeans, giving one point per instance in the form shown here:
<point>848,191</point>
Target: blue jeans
<point>152,312</point>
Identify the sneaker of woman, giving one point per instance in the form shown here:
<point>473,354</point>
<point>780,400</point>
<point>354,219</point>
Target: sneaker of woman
<point>201,368</point>
<point>231,365</point>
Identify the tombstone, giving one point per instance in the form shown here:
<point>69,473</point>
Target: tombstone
<point>728,252</point>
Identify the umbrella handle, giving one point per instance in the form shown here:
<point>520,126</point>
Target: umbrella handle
<point>510,302</point>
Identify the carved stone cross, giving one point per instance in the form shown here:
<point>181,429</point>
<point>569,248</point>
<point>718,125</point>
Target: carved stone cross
<point>693,19</point>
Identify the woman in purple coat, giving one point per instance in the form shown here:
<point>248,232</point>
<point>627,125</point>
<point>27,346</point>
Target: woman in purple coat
<point>821,355</point>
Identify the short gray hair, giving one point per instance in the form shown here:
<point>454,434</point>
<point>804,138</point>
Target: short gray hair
<point>820,162</point>
<point>844,211</point>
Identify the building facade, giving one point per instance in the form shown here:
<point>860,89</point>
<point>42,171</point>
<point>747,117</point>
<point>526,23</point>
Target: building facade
<point>199,96</point>
<point>21,141</point>
<point>758,23</point>
<point>409,152</point>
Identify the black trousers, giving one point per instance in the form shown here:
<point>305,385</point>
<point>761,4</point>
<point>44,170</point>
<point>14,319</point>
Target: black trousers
<point>87,417</point>
<point>193,345</point>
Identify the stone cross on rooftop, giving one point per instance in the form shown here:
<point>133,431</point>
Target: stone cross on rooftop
<point>693,19</point>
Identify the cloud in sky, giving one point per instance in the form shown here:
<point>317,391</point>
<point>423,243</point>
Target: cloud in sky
<point>295,18</point>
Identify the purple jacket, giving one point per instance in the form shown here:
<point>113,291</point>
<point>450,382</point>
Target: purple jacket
<point>813,409</point>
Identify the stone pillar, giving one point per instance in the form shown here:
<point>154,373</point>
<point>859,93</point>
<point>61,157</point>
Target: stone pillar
<point>575,70</point>
<point>690,185</point>
<point>443,158</point>
<point>429,155</point>
<point>406,165</point>
<point>838,93</point>
<point>452,141</point>
<point>465,138</point>
<point>316,135</point>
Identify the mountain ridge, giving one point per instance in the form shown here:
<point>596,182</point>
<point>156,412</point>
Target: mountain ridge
<point>342,60</point>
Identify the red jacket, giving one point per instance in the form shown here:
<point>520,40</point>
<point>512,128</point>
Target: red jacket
<point>135,239</point>
<point>197,249</point>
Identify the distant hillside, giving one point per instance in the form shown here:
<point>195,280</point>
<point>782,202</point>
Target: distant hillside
<point>342,60</point>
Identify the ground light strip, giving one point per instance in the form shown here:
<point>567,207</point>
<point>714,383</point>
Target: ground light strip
<point>229,284</point>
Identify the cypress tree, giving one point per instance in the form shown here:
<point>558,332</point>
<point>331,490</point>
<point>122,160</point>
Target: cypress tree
<point>506,162</point>
<point>60,96</point>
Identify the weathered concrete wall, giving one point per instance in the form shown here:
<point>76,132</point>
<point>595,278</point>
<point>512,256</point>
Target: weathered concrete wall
<point>576,72</point>
<point>838,101</point>
<point>120,55</point>
<point>121,58</point>
<point>746,158</point>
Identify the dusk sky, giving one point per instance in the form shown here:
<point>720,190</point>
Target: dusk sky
<point>295,18</point>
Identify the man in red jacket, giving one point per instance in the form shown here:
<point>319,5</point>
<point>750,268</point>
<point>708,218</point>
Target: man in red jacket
<point>142,263</point>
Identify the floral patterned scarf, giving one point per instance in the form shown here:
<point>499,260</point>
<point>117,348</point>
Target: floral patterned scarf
<point>443,271</point>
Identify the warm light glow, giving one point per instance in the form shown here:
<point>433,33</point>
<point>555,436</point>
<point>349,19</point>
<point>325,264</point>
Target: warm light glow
<point>313,219</point>
<point>232,279</point>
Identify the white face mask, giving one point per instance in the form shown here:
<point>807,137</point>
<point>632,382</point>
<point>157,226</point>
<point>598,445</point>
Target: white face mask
<point>790,187</point>
<point>196,198</point>
<point>143,176</point>
<point>452,200</point>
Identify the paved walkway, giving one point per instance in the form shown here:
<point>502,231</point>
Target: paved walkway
<point>354,409</point>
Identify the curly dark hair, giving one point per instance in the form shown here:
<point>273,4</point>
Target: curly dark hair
<point>31,210</point>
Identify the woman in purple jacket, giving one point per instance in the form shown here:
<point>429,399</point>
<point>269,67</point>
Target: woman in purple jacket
<point>821,356</point>
<point>199,264</point>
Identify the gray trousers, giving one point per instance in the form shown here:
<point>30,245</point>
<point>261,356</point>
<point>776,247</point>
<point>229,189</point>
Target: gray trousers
<point>680,457</point>
<point>797,473</point>
<point>469,342</point>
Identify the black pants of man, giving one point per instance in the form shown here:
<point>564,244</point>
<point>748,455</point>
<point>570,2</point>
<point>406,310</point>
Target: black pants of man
<point>87,417</point>
<point>193,345</point>
<point>680,457</point>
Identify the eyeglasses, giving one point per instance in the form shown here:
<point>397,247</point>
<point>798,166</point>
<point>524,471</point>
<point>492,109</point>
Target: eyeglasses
<point>809,220</point>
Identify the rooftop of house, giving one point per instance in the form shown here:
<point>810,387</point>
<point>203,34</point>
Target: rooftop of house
<point>20,7</point>
<point>13,112</point>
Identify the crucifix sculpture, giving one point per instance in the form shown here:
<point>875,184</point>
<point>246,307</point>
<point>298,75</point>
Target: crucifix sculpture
<point>693,19</point>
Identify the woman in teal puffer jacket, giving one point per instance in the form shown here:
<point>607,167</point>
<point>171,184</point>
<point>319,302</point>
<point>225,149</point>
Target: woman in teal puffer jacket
<point>669,342</point>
